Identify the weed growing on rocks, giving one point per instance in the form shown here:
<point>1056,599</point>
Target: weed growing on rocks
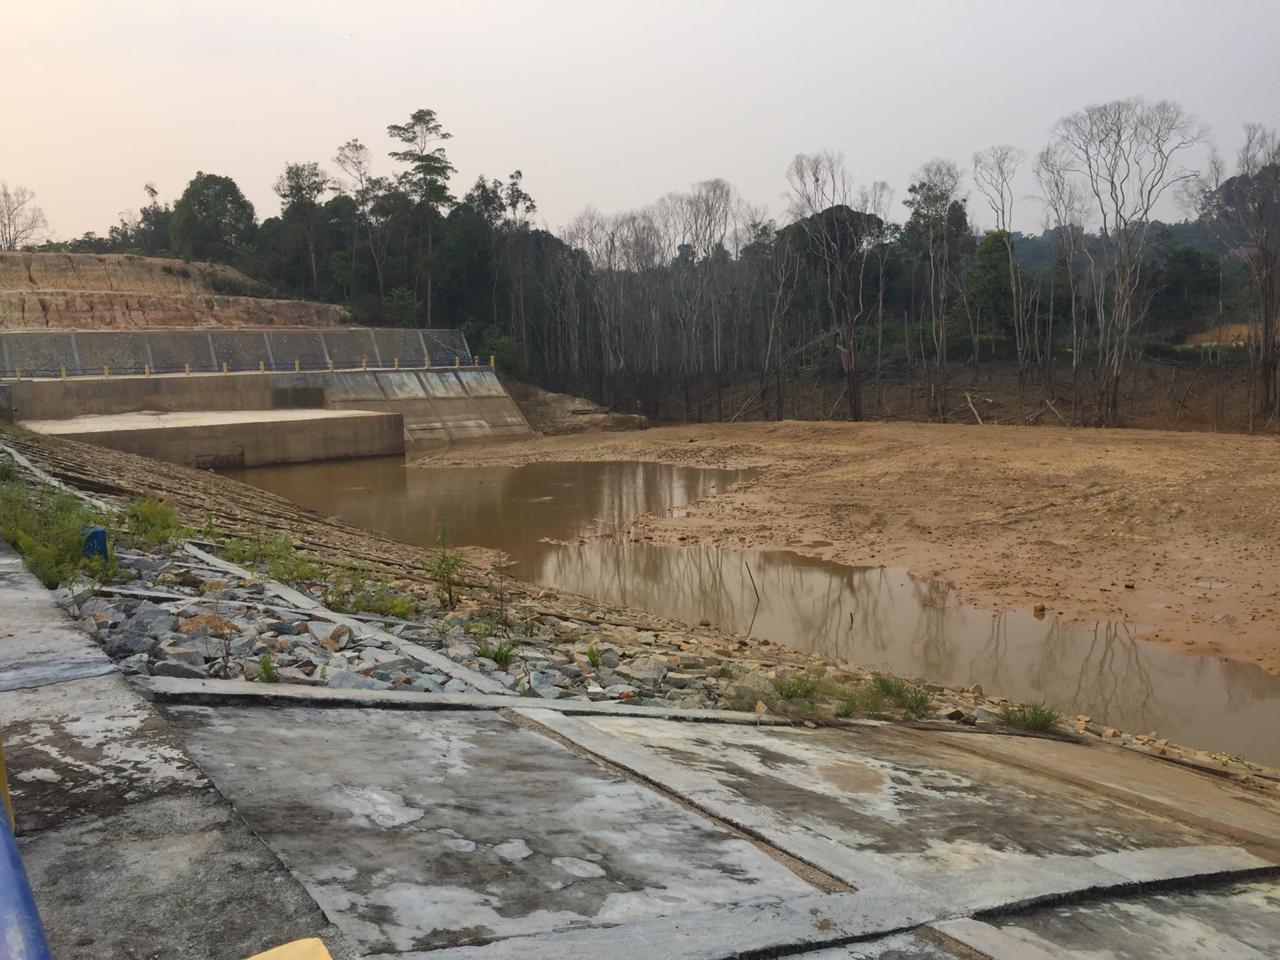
<point>1030,716</point>
<point>358,596</point>
<point>151,522</point>
<point>594,656</point>
<point>863,700</point>
<point>908,698</point>
<point>267,672</point>
<point>274,553</point>
<point>44,526</point>
<point>797,687</point>
<point>501,652</point>
<point>446,570</point>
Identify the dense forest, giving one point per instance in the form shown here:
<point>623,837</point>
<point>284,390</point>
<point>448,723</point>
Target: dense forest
<point>699,292</point>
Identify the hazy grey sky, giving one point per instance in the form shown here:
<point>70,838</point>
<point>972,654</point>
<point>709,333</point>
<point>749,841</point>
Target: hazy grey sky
<point>602,103</point>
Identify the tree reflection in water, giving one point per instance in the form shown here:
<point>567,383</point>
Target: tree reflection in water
<point>877,617</point>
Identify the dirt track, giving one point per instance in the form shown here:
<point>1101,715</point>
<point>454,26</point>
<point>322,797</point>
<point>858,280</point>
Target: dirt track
<point>1174,533</point>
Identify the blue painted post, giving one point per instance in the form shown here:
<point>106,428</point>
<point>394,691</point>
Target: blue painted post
<point>21,933</point>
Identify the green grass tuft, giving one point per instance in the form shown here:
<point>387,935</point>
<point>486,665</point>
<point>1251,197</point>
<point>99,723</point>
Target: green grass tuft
<point>796,687</point>
<point>44,526</point>
<point>501,653</point>
<point>1030,716</point>
<point>907,697</point>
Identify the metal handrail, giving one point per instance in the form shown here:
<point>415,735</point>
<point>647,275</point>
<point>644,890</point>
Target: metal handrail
<point>21,932</point>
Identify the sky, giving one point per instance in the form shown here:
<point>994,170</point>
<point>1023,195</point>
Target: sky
<point>599,103</point>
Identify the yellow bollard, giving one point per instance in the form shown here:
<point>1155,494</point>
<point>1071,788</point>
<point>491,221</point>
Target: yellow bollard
<point>18,373</point>
<point>457,361</point>
<point>224,368</point>
<point>331,366</point>
<point>146,369</point>
<point>262,366</point>
<point>397,363</point>
<point>106,371</point>
<point>186,368</point>
<point>297,366</point>
<point>62,372</point>
<point>364,363</point>
<point>491,363</point>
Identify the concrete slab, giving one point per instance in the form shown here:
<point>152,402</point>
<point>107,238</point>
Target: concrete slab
<point>896,946</point>
<point>129,850</point>
<point>731,933</point>
<point>872,805</point>
<point>167,878</point>
<point>1238,921</point>
<point>422,831</point>
<point>1208,802</point>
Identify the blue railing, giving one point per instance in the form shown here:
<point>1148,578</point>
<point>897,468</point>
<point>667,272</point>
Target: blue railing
<point>21,933</point>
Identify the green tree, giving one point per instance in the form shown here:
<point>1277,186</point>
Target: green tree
<point>300,188</point>
<point>426,180</point>
<point>212,220</point>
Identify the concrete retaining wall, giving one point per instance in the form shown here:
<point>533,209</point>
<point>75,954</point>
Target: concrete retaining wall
<point>248,439</point>
<point>46,353</point>
<point>438,407</point>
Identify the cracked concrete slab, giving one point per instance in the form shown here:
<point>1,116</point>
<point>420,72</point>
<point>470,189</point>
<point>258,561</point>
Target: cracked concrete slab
<point>1195,798</point>
<point>1236,921</point>
<point>420,831</point>
<point>875,805</point>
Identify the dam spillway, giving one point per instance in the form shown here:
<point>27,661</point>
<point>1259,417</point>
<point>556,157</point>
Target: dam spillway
<point>168,394</point>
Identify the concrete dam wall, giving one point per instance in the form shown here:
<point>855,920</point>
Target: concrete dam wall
<point>51,353</point>
<point>184,418</point>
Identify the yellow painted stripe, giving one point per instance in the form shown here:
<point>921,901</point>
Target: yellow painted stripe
<point>4,790</point>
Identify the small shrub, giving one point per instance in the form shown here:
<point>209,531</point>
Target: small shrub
<point>267,672</point>
<point>479,628</point>
<point>274,553</point>
<point>1030,716</point>
<point>354,596</point>
<point>151,522</point>
<point>8,470</point>
<point>446,570</point>
<point>44,526</point>
<point>528,626</point>
<point>594,657</point>
<point>796,687</point>
<point>501,653</point>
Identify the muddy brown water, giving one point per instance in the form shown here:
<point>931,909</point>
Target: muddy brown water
<point>564,526</point>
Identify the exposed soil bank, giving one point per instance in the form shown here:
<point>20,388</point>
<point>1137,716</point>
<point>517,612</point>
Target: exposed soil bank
<point>1173,533</point>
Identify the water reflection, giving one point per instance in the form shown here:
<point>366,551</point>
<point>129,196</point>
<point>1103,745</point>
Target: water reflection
<point>877,617</point>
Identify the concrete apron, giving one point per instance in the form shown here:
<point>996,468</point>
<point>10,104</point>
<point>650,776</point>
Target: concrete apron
<point>481,827</point>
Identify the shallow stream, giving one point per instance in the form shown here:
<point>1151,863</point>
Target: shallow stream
<point>548,517</point>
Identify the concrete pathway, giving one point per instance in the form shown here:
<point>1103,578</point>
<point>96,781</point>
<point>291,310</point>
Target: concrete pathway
<point>224,817</point>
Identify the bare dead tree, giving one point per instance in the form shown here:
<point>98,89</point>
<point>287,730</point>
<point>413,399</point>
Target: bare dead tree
<point>934,198</point>
<point>22,223</point>
<point>994,170</point>
<point>1126,155</point>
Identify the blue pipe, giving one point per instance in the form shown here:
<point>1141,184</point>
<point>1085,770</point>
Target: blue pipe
<point>21,933</point>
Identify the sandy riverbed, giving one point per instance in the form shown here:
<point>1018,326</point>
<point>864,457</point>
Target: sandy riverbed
<point>1173,533</point>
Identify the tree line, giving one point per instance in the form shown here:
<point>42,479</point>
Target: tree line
<point>674,303</point>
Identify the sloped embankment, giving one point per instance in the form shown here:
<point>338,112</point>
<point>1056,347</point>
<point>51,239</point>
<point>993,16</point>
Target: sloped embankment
<point>120,292</point>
